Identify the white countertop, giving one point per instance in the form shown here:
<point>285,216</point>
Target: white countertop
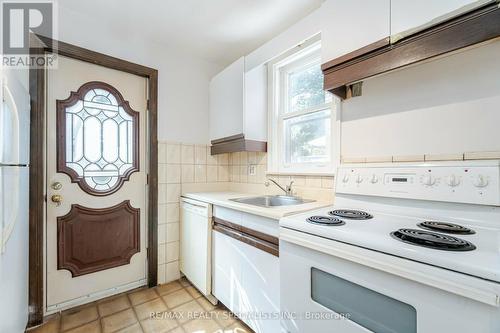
<point>222,199</point>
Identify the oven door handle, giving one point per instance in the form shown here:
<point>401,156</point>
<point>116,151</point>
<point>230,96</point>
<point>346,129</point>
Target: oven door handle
<point>480,290</point>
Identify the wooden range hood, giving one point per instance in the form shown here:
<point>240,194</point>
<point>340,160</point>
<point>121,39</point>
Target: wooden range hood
<point>236,143</point>
<point>466,30</point>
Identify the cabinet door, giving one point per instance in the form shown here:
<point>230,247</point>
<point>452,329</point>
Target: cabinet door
<point>226,101</point>
<point>255,111</point>
<point>246,280</point>
<point>350,25</point>
<point>409,16</point>
<point>261,281</point>
<point>227,284</point>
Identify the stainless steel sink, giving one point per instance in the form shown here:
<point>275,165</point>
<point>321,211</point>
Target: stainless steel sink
<point>272,200</point>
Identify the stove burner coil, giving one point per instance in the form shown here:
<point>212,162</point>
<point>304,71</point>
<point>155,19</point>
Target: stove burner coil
<point>325,220</point>
<point>351,214</point>
<point>446,227</point>
<point>432,240</point>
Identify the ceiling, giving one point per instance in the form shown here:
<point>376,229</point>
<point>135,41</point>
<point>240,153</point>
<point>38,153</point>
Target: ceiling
<point>216,30</point>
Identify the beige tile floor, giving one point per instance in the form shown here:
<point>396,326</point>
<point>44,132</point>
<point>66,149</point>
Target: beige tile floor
<point>180,308</point>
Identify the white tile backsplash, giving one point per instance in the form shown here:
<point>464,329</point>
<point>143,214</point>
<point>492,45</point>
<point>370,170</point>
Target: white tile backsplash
<point>172,232</point>
<point>222,173</point>
<point>200,154</point>
<point>173,193</point>
<point>162,232</point>
<point>162,193</point>
<point>187,154</point>
<point>162,173</point>
<point>172,212</point>
<point>187,173</point>
<point>313,181</point>
<point>181,165</point>
<point>243,158</point>
<point>223,159</point>
<point>211,173</point>
<point>173,153</point>
<point>211,159</point>
<point>252,157</point>
<point>200,173</point>
<point>243,173</point>
<point>172,251</point>
<point>162,213</point>
<point>161,273</point>
<point>161,254</point>
<point>162,152</point>
<point>172,271</point>
<point>173,173</point>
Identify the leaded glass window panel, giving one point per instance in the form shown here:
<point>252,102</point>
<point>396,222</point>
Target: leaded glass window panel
<point>99,148</point>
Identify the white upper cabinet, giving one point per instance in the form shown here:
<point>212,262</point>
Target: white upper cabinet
<point>350,25</point>
<point>238,102</point>
<point>409,16</point>
<point>255,108</point>
<point>226,101</point>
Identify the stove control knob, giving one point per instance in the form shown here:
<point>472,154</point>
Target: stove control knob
<point>453,181</point>
<point>374,179</point>
<point>428,180</point>
<point>480,181</point>
<point>346,178</point>
<point>359,179</point>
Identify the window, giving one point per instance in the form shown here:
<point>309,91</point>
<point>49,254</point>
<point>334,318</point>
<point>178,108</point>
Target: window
<point>302,114</point>
<point>99,142</point>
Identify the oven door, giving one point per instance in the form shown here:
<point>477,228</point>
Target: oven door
<point>320,292</point>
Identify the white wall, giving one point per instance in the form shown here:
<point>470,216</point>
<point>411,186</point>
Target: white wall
<point>288,39</point>
<point>183,77</point>
<point>14,264</point>
<point>449,105</point>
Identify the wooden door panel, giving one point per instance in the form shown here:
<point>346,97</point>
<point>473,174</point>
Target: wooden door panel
<point>91,240</point>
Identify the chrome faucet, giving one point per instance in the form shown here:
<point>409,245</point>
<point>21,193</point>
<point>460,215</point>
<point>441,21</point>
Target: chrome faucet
<point>287,189</point>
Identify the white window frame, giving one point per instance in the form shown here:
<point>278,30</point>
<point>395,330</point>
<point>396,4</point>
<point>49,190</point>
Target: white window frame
<point>300,56</point>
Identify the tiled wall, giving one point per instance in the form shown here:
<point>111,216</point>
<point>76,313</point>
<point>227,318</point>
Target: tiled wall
<point>239,167</point>
<point>181,167</point>
<point>312,187</point>
<point>190,168</point>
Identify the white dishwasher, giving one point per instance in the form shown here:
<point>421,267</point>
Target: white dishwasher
<point>196,244</point>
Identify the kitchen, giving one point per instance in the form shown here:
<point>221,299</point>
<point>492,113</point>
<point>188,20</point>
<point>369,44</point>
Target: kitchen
<point>335,170</point>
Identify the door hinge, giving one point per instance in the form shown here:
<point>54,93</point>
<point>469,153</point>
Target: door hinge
<point>147,104</point>
<point>147,179</point>
<point>147,252</point>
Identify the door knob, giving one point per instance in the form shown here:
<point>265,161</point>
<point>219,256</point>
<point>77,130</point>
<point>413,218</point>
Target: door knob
<point>57,199</point>
<point>56,186</point>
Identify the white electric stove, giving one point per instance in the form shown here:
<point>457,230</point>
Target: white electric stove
<point>406,248</point>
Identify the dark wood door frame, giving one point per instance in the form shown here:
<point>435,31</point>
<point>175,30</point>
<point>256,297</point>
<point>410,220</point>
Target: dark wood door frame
<point>37,198</point>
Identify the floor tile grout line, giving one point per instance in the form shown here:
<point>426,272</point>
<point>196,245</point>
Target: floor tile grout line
<point>88,305</point>
<point>136,317</point>
<point>184,285</point>
<point>168,309</point>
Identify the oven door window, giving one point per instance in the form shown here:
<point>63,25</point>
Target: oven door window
<point>368,308</point>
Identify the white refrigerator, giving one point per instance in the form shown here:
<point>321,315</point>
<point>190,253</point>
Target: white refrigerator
<point>14,197</point>
<point>14,156</point>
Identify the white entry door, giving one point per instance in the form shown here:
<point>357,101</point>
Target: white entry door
<point>96,183</point>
